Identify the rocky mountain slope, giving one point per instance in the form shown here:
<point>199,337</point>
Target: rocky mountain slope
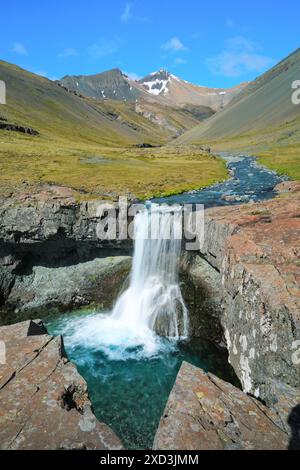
<point>174,91</point>
<point>160,87</point>
<point>266,102</point>
<point>112,84</point>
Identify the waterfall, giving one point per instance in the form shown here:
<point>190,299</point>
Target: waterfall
<point>152,308</point>
<point>153,300</point>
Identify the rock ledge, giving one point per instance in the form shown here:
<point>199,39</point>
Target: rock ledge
<point>44,400</point>
<point>206,413</point>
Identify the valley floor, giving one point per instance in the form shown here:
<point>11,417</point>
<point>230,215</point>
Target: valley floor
<point>94,172</point>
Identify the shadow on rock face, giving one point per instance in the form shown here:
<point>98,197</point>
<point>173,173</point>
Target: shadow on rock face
<point>294,423</point>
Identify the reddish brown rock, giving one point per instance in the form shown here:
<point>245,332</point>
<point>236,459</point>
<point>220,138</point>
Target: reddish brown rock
<point>206,413</point>
<point>44,401</point>
<point>288,187</point>
<point>256,249</point>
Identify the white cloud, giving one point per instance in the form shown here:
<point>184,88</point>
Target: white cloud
<point>19,48</point>
<point>142,19</point>
<point>230,23</point>
<point>68,52</point>
<point>240,56</point>
<point>133,76</point>
<point>240,43</point>
<point>174,45</point>
<point>180,61</point>
<point>126,15</point>
<point>104,48</point>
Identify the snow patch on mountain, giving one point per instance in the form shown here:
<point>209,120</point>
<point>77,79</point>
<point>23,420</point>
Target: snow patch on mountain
<point>157,87</point>
<point>157,83</point>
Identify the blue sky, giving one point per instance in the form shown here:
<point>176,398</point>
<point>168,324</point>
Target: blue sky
<point>213,42</point>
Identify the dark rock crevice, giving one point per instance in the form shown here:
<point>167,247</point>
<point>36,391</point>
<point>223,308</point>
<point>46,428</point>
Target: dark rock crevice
<point>73,398</point>
<point>294,423</point>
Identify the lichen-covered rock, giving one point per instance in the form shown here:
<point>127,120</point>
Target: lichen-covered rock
<point>52,257</point>
<point>256,249</point>
<point>44,401</point>
<point>50,290</point>
<point>206,413</point>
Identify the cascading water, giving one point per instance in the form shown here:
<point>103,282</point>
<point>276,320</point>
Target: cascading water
<point>152,307</point>
<point>153,301</point>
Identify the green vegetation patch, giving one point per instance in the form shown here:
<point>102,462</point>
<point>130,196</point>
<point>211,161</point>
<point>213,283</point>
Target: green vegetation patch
<point>93,171</point>
<point>285,160</point>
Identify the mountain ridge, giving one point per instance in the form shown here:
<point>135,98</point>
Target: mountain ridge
<point>166,100</point>
<point>160,86</point>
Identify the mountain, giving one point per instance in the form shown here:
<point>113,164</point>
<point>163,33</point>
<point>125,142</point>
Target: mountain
<point>51,136</point>
<point>161,97</point>
<point>158,87</point>
<point>177,92</point>
<point>264,103</point>
<point>112,84</point>
<point>115,86</point>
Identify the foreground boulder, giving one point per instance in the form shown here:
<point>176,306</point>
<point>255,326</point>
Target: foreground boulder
<point>206,413</point>
<point>44,401</point>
